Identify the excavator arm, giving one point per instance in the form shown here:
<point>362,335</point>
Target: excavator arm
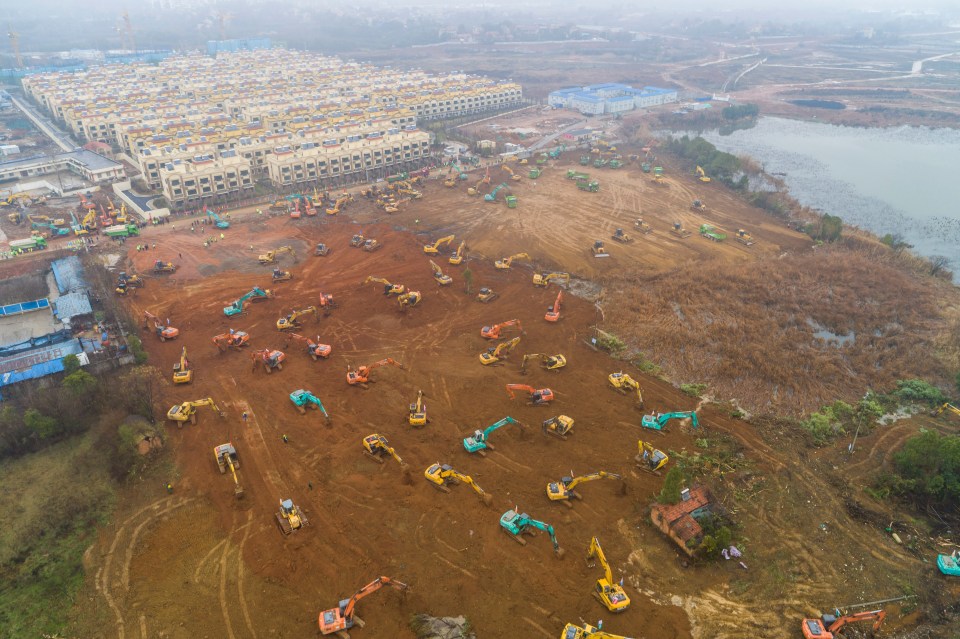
<point>596,551</point>
<point>547,528</point>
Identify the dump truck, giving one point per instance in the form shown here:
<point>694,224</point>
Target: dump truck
<point>711,233</point>
<point>587,185</point>
<point>26,245</point>
<point>121,230</point>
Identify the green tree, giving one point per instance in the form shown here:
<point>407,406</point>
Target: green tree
<point>80,383</point>
<point>43,427</point>
<point>928,468</point>
<point>467,280</point>
<point>672,483</point>
<point>71,364</point>
<point>917,390</point>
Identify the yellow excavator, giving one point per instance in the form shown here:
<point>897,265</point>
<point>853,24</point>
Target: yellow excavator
<point>946,407</point>
<point>438,275</point>
<point>623,383</point>
<point>650,459</point>
<point>541,280</point>
<point>443,475</point>
<point>377,448</point>
<point>562,490</point>
<point>548,362</point>
<point>559,426</point>
<point>292,320</point>
<point>457,258</point>
<point>507,261</point>
<point>586,631</point>
<point>342,201</point>
<point>433,249</point>
<point>187,411</point>
<point>418,411</point>
<point>702,175</point>
<point>182,373</point>
<point>494,355</point>
<point>607,591</point>
<point>388,288</point>
<point>516,177</point>
<point>270,257</point>
<point>409,299</point>
<point>226,456</point>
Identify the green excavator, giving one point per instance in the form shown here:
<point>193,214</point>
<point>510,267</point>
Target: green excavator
<point>304,399</point>
<point>477,443</point>
<point>658,421</point>
<point>518,524</point>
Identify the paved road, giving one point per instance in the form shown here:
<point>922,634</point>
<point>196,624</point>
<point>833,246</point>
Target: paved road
<point>61,139</point>
<point>542,142</point>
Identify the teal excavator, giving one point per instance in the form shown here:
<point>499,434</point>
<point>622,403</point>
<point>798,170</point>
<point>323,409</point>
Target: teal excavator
<point>477,442</point>
<point>304,399</point>
<point>657,422</point>
<point>492,195</point>
<point>237,307</point>
<point>518,524</point>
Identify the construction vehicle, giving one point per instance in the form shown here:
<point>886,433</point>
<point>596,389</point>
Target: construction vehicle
<point>409,299</point>
<point>219,222</point>
<point>577,175</point>
<point>492,195</point>
<point>517,524</point>
<point>516,177</point>
<point>76,226</point>
<point>279,275</point>
<point>511,201</point>
<point>357,240</point>
<point>590,186</point>
<point>535,173</point>
<point>370,245</point>
<point>442,280</point>
<point>946,407</point>
<point>563,490</point>
<point>315,350</point>
<point>493,332</point>
<point>507,261</point>
<point>620,236</point>
<point>187,411</point>
<point>376,447</point>
<point>701,175</point>
<point>293,319</point>
<point>829,626</point>
<point>478,442</point>
<point>679,231</point>
<point>234,339</point>
<point>27,245</point>
<point>658,421</point>
<point>486,295</point>
<point>226,456</point>
<point>743,237</point>
<point>557,151</point>
<point>342,617</point>
<point>327,303</point>
<point>163,332</point>
<point>290,517</point>
<point>571,631</point>
<point>270,257</point>
<point>361,376</point>
<point>615,164</point>
<point>418,411</point>
<point>341,202</point>
<point>697,205</point>
<point>645,167</point>
<point>607,591</point>
<point>322,250</point>
<point>584,160</point>
<point>500,351</point>
<point>304,399</point>
<point>442,476</point>
<point>598,249</point>
<point>642,226</point>
<point>255,294</point>
<point>548,362</point>
<point>164,268</point>
<point>388,288</point>
<point>433,249</point>
<point>559,426</point>
<point>542,280</point>
<point>553,312</point>
<point>711,233</point>
<point>600,162</point>
<point>622,382</point>
<point>269,359</point>
<point>130,281</point>
<point>536,396</point>
<point>182,373</point>
<point>457,258</point>
<point>650,459</point>
<point>122,230</point>
<point>949,564</point>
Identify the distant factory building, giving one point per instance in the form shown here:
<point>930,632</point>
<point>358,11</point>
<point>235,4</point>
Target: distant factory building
<point>598,99</point>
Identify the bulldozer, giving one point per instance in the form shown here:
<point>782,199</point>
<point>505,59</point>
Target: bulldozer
<point>388,288</point>
<point>543,279</point>
<point>559,426</point>
<point>535,396</point>
<point>563,490</point>
<point>182,373</point>
<point>361,376</point>
<point>270,257</point>
<point>377,448</point>
<point>500,351</point>
<point>642,226</point>
<point>547,362</point>
<point>370,245</point>
<point>486,295</point>
<point>433,249</point>
<point>493,332</point>
<point>409,299</point>
<point>620,236</point>
<point>226,456</point>
<point>315,349</point>
<point>187,411</point>
<point>698,205</point>
<point>622,382</point>
<point>743,237</point>
<point>418,412</point>
<point>598,249</point>
<point>650,459</point>
<point>290,517</point>
<point>234,339</point>
<point>444,475</point>
<point>322,250</point>
<point>164,268</point>
<point>279,275</point>
<point>607,591</point>
<point>357,240</point>
<point>342,617</point>
<point>679,231</point>
<point>553,312</point>
<point>269,359</point>
<point>507,261</point>
<point>457,258</point>
<point>439,276</point>
<point>293,319</point>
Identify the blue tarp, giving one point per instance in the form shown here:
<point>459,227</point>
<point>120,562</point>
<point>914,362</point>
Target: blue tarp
<point>72,305</point>
<point>69,274</point>
<point>24,307</point>
<point>37,370</point>
<point>35,342</point>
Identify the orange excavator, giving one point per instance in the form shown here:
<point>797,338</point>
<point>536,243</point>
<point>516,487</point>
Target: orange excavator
<point>269,359</point>
<point>493,332</point>
<point>234,339</point>
<point>553,313</point>
<point>342,617</point>
<point>314,349</point>
<point>828,626</point>
<point>361,376</point>
<point>163,332</point>
<point>537,396</point>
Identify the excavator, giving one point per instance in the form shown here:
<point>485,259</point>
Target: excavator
<point>327,303</point>
<point>409,299</point>
<point>342,617</point>
<point>493,332</point>
<point>507,261</point>
<point>537,396</point>
<point>388,288</point>
<point>182,373</point>
<point>255,294</point>
<point>571,631</point>
<point>316,350</point>
<point>650,459</point>
<point>361,376</point>
<point>438,275</point>
<point>563,489</point>
<point>279,275</point>
<point>376,447</point>
<point>269,359</point>
<point>517,524</point>
<point>549,362</point>
<point>163,332</point>
<point>290,517</point>
<point>457,258</point>
<point>492,195</point>
<point>607,591</point>
<point>187,411</point>
<point>516,177</point>
<point>542,280</point>
<point>559,426</point>
<point>494,355</point>
<point>418,411</point>
<point>946,407</point>
<point>658,421</point>
<point>341,202</point>
<point>702,175</point>
<point>622,382</point>
<point>304,399</point>
<point>433,249</point>
<point>620,236</point>
<point>553,312</point>
<point>486,295</point>
<point>270,257</point>
<point>234,339</point>
<point>743,237</point>
<point>226,456</point>
<point>477,443</point>
<point>828,626</point>
<point>292,320</point>
<point>443,475</point>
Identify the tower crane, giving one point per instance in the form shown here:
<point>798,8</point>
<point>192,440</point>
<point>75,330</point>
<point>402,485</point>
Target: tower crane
<point>608,592</point>
<point>128,29</point>
<point>563,490</point>
<point>15,46</point>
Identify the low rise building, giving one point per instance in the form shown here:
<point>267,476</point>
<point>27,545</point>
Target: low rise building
<point>679,521</point>
<point>91,166</point>
<point>597,99</point>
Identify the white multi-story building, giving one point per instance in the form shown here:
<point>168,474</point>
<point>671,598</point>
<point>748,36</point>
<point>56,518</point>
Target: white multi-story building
<point>598,99</point>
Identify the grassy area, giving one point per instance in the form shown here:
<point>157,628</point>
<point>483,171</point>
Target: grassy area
<point>51,504</point>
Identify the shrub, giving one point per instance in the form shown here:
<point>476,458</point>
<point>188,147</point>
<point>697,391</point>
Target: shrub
<point>43,427</point>
<point>917,390</point>
<point>670,493</point>
<point>80,383</point>
<point>928,469</point>
<point>693,390</point>
<point>71,364</point>
<point>136,348</point>
<point>828,424</point>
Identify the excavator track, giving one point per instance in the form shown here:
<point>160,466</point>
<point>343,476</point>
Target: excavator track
<point>516,538</point>
<point>375,458</point>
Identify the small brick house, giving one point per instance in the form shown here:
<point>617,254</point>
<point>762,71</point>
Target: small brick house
<point>678,521</point>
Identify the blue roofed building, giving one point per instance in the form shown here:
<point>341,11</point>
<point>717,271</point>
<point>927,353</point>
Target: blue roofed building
<point>610,97</point>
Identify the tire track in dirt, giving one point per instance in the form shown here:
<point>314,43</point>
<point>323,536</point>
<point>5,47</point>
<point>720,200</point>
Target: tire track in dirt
<point>222,593</point>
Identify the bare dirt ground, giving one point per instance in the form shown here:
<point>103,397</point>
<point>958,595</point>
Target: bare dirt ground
<point>200,563</point>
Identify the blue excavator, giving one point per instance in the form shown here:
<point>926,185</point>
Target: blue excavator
<point>304,399</point>
<point>237,307</point>
<point>658,421</point>
<point>477,443</point>
<point>218,221</point>
<point>518,524</point>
